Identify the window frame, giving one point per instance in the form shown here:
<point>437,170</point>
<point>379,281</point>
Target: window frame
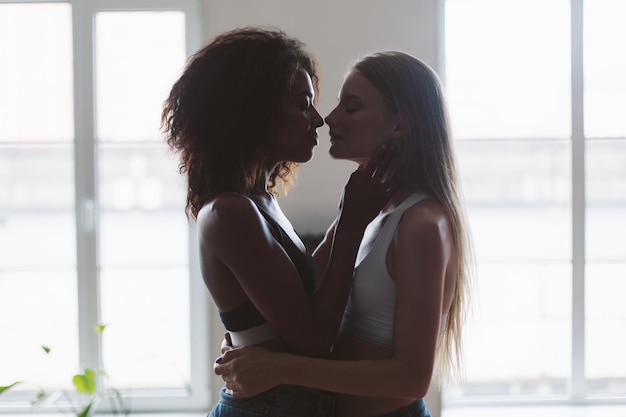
<point>198,397</point>
<point>577,393</point>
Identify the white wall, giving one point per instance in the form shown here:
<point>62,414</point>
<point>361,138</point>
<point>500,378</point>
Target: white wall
<point>337,32</point>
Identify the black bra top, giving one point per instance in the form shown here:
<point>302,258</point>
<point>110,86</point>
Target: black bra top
<point>246,316</point>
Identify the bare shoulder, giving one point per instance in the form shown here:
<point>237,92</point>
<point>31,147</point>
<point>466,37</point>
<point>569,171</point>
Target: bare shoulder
<point>427,219</point>
<point>226,211</point>
<point>423,240</point>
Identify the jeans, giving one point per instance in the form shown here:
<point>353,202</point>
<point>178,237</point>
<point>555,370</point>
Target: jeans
<point>280,401</point>
<point>415,409</point>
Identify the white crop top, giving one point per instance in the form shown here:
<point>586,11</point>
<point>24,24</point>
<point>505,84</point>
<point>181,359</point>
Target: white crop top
<point>370,309</point>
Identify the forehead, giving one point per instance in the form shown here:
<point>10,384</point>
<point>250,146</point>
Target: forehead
<point>356,85</point>
<point>302,84</point>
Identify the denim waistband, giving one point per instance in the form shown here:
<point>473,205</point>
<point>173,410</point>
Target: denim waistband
<point>415,409</point>
<point>284,400</point>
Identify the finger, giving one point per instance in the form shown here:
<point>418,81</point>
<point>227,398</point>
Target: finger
<point>380,162</point>
<point>232,388</point>
<point>387,166</point>
<point>231,354</point>
<point>219,369</point>
<point>381,170</point>
<point>372,165</point>
<point>387,163</point>
<point>228,339</point>
<point>223,365</point>
<point>390,170</point>
<point>236,394</point>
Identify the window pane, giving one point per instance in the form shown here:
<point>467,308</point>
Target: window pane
<point>606,267</point>
<point>505,80</point>
<point>146,342</point>
<point>518,341</point>
<point>36,92</point>
<point>605,342</point>
<point>143,241</point>
<point>37,265</point>
<point>38,308</point>
<point>605,66</point>
<point>37,228</point>
<point>142,215</point>
<point>135,70</point>
<point>144,266</point>
<point>518,196</point>
<point>36,209</point>
<point>606,199</point>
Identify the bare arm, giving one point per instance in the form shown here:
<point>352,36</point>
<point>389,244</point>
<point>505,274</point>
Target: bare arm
<point>422,244</point>
<point>236,235</point>
<point>321,255</point>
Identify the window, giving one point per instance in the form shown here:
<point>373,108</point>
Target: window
<point>537,98</point>
<point>92,224</point>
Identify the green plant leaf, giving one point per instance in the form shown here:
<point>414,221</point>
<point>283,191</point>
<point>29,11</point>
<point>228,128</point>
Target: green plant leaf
<point>39,399</point>
<point>119,402</point>
<point>100,328</point>
<point>46,349</point>
<point>4,388</point>
<point>85,383</point>
<point>85,411</point>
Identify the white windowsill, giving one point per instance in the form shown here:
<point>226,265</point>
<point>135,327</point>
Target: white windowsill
<point>536,411</point>
<point>131,414</point>
<point>454,411</point>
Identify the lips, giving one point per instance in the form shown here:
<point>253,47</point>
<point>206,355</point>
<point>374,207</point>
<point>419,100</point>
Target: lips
<point>334,136</point>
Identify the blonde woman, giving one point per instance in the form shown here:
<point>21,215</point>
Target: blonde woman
<point>408,296</point>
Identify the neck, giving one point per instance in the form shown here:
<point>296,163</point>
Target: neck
<point>397,198</point>
<point>262,196</point>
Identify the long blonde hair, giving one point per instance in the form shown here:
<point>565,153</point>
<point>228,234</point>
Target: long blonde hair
<point>428,164</point>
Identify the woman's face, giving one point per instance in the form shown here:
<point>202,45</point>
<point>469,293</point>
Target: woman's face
<point>296,133</point>
<point>361,122</point>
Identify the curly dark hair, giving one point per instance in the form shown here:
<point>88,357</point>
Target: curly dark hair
<point>220,113</point>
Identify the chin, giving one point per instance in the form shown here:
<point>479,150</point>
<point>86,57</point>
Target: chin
<point>343,157</point>
<point>334,154</point>
<point>304,158</point>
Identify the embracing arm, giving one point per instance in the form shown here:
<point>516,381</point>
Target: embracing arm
<point>236,237</point>
<point>422,244</point>
<point>262,370</point>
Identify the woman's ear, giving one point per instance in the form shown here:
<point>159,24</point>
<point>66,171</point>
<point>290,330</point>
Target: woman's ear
<point>401,127</point>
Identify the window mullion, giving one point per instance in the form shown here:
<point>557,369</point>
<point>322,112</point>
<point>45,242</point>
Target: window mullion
<point>85,183</point>
<point>578,390</point>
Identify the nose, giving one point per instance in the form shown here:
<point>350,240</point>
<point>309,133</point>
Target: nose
<point>317,119</point>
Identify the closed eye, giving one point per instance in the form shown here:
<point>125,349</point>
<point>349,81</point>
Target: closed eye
<point>306,105</point>
<point>350,103</point>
